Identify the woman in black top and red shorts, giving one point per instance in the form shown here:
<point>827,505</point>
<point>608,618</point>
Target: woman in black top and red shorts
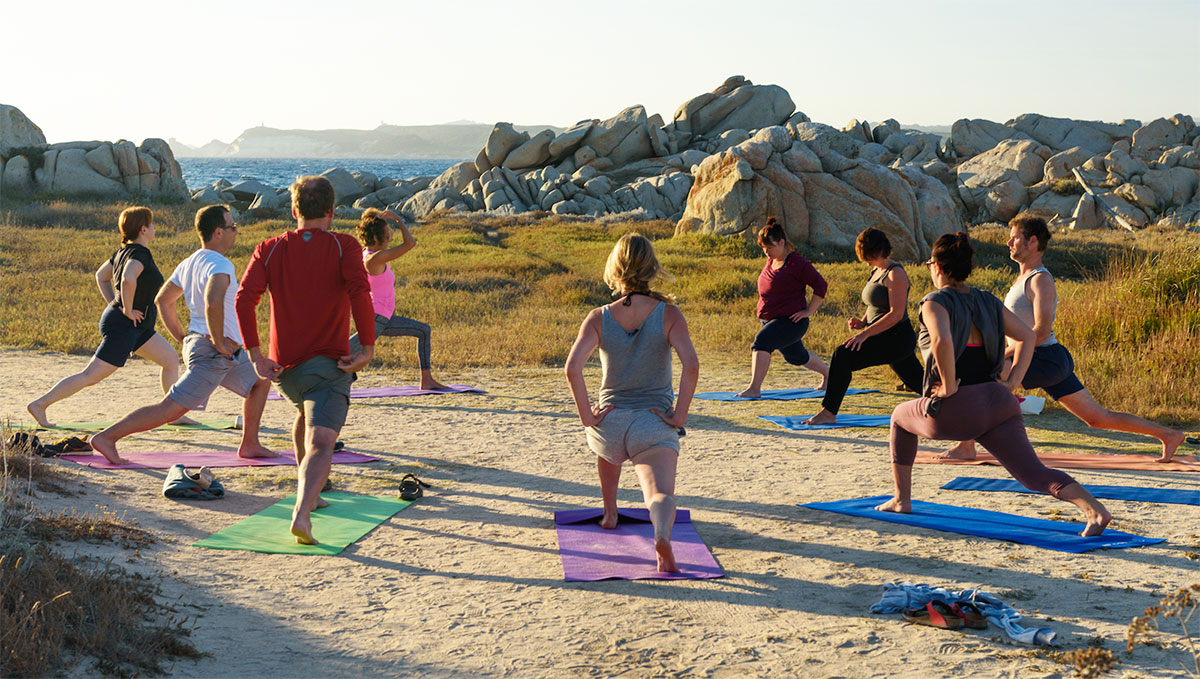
<point>784,308</point>
<point>128,281</point>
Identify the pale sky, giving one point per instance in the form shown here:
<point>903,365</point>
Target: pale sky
<point>135,69</point>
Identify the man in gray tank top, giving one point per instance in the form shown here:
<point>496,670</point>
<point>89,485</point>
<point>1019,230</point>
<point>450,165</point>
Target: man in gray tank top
<point>1034,300</point>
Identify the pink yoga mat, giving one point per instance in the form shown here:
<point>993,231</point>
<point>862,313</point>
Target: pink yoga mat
<point>406,390</point>
<point>207,458</point>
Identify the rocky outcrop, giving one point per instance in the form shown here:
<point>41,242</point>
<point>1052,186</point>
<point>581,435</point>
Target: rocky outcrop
<point>18,132</point>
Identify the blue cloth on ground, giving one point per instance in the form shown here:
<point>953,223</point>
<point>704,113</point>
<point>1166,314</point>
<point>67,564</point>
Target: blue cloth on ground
<point>775,394</point>
<point>1057,535</point>
<point>907,596</point>
<point>1177,496</point>
<point>796,422</point>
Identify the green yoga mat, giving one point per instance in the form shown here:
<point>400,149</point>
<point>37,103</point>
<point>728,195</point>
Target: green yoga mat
<point>212,425</point>
<point>343,522</point>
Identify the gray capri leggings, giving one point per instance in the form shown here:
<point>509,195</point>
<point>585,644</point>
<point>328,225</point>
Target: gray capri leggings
<point>399,326</point>
<point>986,412</point>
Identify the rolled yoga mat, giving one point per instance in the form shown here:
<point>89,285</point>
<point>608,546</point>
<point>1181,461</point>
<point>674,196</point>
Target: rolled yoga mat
<point>341,524</point>
<point>1057,535</point>
<point>1145,463</point>
<point>212,425</point>
<point>1177,496</point>
<point>626,552</point>
<point>204,458</point>
<point>796,422</point>
<point>407,390</point>
<point>775,394</point>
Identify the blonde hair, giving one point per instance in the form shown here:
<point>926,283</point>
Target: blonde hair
<point>632,265</point>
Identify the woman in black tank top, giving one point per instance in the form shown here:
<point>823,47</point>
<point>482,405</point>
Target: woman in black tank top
<point>128,281</point>
<point>885,335</point>
<point>962,397</point>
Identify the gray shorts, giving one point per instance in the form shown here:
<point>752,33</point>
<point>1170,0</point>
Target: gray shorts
<point>624,433</point>
<point>320,390</point>
<point>207,369</point>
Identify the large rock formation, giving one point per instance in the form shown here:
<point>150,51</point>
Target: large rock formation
<point>118,169</point>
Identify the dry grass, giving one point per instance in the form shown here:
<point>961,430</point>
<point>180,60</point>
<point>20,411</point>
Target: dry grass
<point>511,292</point>
<point>57,611</point>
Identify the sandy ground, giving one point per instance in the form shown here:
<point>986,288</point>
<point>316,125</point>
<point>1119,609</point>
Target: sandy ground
<point>467,582</point>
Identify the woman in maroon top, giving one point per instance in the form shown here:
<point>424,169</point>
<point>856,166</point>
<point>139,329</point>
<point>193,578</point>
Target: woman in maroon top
<point>784,308</point>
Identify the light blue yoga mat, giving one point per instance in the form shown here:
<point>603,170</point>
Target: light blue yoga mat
<point>1056,535</point>
<point>796,422</point>
<point>1176,496</point>
<point>775,394</point>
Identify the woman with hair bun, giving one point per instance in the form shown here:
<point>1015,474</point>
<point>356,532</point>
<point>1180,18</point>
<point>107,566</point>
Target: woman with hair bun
<point>784,308</point>
<point>637,418</point>
<point>962,339</point>
<point>128,281</point>
<point>885,335</point>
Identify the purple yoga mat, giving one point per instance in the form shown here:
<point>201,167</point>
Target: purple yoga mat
<point>406,390</point>
<point>627,552</point>
<point>207,458</point>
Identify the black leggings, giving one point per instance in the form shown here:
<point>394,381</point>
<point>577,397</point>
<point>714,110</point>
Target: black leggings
<point>894,346</point>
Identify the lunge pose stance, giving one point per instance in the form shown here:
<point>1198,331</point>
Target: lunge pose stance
<point>316,280</point>
<point>885,335</point>
<point>962,339</point>
<point>637,418</point>
<point>212,346</point>
<point>1033,299</point>
<point>375,234</point>
<point>128,282</point>
<point>784,308</point>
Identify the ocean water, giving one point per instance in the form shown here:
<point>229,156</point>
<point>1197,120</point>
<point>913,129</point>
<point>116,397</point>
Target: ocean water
<point>281,172</point>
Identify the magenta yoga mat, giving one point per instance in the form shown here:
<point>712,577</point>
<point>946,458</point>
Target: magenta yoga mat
<point>206,458</point>
<point>626,552</point>
<point>406,390</point>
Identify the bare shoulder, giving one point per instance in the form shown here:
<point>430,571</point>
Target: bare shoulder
<point>673,314</point>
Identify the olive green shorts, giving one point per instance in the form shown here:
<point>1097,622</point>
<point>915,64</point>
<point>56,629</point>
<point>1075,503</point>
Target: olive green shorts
<point>320,390</point>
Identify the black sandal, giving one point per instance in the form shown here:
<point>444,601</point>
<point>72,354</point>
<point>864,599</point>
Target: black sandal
<point>410,487</point>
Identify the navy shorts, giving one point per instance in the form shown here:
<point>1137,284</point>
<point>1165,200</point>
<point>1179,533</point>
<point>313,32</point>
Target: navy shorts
<point>120,337</point>
<point>1052,370</point>
<point>785,336</point>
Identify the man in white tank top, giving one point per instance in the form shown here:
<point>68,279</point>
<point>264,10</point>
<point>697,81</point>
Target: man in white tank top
<point>1034,300</point>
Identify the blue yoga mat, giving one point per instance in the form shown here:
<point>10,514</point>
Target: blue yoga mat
<point>1057,535</point>
<point>1176,496</point>
<point>775,394</point>
<point>796,422</point>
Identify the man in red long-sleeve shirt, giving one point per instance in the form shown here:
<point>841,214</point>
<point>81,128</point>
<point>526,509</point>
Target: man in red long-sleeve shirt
<point>316,280</point>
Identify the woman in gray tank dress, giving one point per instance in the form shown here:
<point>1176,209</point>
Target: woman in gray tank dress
<point>637,418</point>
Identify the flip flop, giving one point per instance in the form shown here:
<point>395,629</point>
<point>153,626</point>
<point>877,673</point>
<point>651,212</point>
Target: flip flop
<point>410,487</point>
<point>935,614</point>
<point>1194,440</point>
<point>971,615</point>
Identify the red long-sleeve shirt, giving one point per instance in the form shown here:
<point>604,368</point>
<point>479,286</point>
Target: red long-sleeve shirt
<point>782,291</point>
<point>316,279</point>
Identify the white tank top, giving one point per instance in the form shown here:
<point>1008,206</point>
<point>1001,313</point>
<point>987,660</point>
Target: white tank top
<point>1017,300</point>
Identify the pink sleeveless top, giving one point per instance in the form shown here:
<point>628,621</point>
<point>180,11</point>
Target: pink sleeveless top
<point>383,289</point>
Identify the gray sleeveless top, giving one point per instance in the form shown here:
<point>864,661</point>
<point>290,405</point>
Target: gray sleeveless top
<point>875,296</point>
<point>1018,302</point>
<point>636,365</point>
<point>976,307</point>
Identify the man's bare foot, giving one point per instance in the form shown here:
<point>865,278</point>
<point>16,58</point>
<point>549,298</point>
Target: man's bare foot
<point>320,503</point>
<point>823,417</point>
<point>895,505</point>
<point>666,557</point>
<point>106,448</point>
<point>303,531</point>
<point>609,520</point>
<point>185,421</point>
<point>1096,522</point>
<point>255,450</point>
<point>1170,445</point>
<point>750,393</point>
<point>432,385</point>
<point>39,413</point>
<point>965,450</point>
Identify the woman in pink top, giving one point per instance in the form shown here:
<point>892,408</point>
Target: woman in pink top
<point>784,308</point>
<point>375,234</point>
